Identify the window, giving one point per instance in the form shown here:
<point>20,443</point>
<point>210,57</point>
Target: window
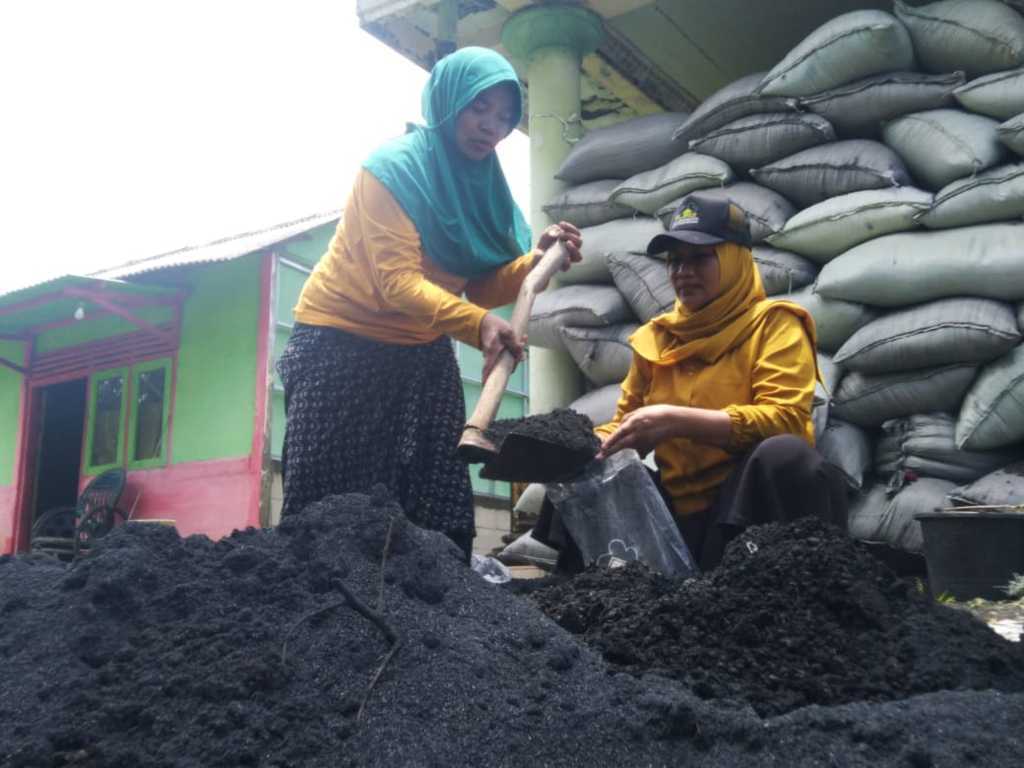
<point>107,415</point>
<point>150,404</point>
<point>133,404</point>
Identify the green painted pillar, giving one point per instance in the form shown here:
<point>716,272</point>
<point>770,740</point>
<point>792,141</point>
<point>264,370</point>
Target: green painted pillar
<point>551,40</point>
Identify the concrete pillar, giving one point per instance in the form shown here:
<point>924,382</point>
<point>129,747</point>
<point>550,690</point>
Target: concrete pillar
<point>447,26</point>
<point>551,40</point>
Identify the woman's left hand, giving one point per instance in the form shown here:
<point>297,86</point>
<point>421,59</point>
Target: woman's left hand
<point>569,235</point>
<point>643,429</point>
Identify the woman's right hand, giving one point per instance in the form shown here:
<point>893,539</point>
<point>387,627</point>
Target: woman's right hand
<point>497,335</point>
<point>570,237</point>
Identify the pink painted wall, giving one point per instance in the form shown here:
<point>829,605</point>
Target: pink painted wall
<point>7,495</point>
<point>209,497</point>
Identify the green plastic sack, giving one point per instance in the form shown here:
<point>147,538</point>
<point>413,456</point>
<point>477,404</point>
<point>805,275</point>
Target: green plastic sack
<point>912,267</point>
<point>973,36</point>
<point>833,226</point>
<point>848,47</point>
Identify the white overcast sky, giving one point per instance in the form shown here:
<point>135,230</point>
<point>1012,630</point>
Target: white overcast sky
<point>133,128</point>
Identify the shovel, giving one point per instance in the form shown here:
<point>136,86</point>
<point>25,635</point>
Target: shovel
<point>519,457</point>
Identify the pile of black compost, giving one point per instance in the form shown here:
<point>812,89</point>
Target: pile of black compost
<point>350,637</point>
<point>797,614</point>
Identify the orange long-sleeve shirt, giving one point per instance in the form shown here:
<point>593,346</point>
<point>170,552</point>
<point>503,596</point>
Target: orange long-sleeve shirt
<point>375,280</point>
<point>766,385</point>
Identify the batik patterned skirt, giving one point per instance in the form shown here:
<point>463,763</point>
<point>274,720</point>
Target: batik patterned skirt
<point>362,412</point>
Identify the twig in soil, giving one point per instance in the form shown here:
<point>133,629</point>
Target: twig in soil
<point>376,676</point>
<point>383,563</point>
<point>350,600</point>
<point>360,607</point>
<point>306,617</point>
<point>380,609</point>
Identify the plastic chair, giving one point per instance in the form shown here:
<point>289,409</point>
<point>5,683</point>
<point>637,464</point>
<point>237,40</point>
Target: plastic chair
<point>68,532</point>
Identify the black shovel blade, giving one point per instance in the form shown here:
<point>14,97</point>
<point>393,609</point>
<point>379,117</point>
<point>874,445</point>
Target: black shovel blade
<point>528,459</point>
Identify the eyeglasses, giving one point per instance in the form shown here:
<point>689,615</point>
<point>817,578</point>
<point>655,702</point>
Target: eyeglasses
<point>695,260</point>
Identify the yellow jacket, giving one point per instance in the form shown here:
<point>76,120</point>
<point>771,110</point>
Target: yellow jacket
<point>375,281</point>
<point>765,384</point>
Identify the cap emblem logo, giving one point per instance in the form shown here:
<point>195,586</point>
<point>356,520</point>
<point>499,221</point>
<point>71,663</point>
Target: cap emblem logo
<point>685,218</point>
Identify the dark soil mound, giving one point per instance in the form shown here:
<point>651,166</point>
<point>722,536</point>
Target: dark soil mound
<point>795,615</point>
<point>161,651</point>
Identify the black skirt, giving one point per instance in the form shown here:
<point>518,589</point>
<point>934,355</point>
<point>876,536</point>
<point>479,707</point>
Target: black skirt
<point>362,412</point>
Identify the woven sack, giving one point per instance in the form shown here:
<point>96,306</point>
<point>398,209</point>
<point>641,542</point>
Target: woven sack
<point>992,414</point>
<point>835,321</point>
<point>587,205</point>
<point>943,145</point>
<point>831,170</point>
<point>1011,133</point>
<point>602,354</point>
<point>847,47</point>
<point>857,110</point>
<point>973,36</point>
<point>893,521</point>
<point>914,267</point>
<point>583,306</point>
<point>869,399</point>
<point>757,140</point>
<point>964,329</point>
<point>603,241</point>
<point>737,99</point>
<point>622,150</point>
<point>833,226</point>
<point>999,95</point>
<point>650,190</point>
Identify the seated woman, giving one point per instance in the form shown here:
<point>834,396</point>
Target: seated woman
<point>720,389</point>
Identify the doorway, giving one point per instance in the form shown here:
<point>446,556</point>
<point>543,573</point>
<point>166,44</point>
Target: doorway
<point>61,428</point>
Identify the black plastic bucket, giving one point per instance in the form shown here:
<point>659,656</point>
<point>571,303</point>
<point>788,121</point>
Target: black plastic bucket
<point>972,554</point>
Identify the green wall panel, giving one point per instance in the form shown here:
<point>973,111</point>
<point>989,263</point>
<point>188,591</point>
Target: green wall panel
<point>289,286</point>
<point>10,410</point>
<point>214,405</point>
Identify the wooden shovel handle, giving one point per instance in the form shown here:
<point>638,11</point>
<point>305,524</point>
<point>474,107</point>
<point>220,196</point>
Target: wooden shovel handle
<point>494,386</point>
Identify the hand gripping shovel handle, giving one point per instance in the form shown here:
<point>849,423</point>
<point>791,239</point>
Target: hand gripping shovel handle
<point>494,386</point>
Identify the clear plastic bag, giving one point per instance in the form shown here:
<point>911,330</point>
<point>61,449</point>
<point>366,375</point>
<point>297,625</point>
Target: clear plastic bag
<point>490,569</point>
<point>616,514</point>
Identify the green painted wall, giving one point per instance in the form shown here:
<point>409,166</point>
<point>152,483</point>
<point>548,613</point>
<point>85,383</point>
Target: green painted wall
<point>10,400</point>
<point>214,406</point>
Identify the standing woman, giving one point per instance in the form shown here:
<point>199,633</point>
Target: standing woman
<point>373,393</point>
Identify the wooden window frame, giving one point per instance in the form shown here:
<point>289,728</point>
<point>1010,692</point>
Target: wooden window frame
<point>129,416</point>
<point>90,469</point>
<point>166,365</point>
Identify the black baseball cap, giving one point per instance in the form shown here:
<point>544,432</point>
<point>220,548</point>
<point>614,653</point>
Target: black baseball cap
<point>702,220</point>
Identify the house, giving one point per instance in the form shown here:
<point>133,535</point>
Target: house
<point>165,367</point>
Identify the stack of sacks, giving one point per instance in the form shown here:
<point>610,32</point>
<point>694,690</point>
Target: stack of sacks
<point>913,216</point>
<point>879,165</point>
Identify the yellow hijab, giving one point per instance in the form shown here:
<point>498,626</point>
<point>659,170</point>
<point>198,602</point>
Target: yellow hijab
<point>723,324</point>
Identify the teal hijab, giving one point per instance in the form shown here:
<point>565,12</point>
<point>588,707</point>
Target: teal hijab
<point>463,209</point>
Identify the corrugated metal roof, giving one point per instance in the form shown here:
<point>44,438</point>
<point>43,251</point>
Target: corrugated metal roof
<point>225,249</point>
